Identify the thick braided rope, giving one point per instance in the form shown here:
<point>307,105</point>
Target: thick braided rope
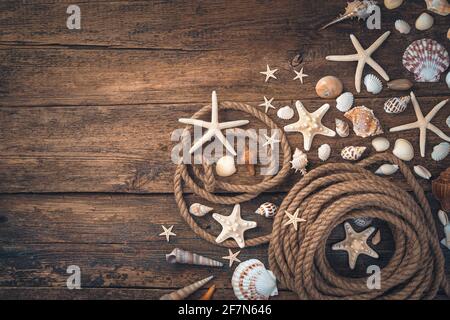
<point>209,184</point>
<point>335,192</point>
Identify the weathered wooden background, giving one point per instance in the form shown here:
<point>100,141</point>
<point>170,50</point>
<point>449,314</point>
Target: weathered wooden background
<point>86,117</point>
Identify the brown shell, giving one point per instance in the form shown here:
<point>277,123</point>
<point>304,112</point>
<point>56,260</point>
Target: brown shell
<point>400,84</point>
<point>441,189</point>
<point>329,87</point>
<point>365,124</point>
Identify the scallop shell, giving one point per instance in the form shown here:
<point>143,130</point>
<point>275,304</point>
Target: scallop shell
<point>352,153</point>
<point>365,123</point>
<point>400,84</point>
<point>380,144</point>
<point>392,4</point>
<point>285,113</point>
<point>252,281</point>
<point>362,222</point>
<point>422,172</point>
<point>199,210</point>
<point>342,128</point>
<point>402,26</point>
<point>373,84</point>
<point>403,150</point>
<point>186,257</point>
<point>299,161</point>
<point>440,151</point>
<point>186,291</point>
<point>440,7</point>
<point>424,22</point>
<point>387,169</point>
<point>324,152</point>
<point>441,189</point>
<point>329,87</point>
<point>344,102</point>
<point>426,59</point>
<point>267,209</point>
<point>396,105</point>
<point>225,166</point>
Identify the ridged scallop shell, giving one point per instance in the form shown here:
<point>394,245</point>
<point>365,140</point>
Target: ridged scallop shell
<point>403,150</point>
<point>373,84</point>
<point>396,105</point>
<point>424,22</point>
<point>342,128</point>
<point>426,59</point>
<point>402,26</point>
<point>352,153</point>
<point>199,210</point>
<point>380,144</point>
<point>324,152</point>
<point>186,291</point>
<point>186,257</point>
<point>441,189</point>
<point>344,102</point>
<point>267,209</point>
<point>252,281</point>
<point>299,161</point>
<point>440,7</point>
<point>422,172</point>
<point>387,169</point>
<point>285,113</point>
<point>440,151</point>
<point>225,166</point>
<point>362,222</point>
<point>365,124</point>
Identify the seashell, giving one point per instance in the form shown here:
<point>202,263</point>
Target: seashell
<point>441,189</point>
<point>376,238</point>
<point>199,210</point>
<point>252,281</point>
<point>365,123</point>
<point>396,105</point>
<point>426,59</point>
<point>387,169</point>
<point>267,209</point>
<point>402,26</point>
<point>380,144</point>
<point>403,150</point>
<point>329,87</point>
<point>448,121</point>
<point>448,35</point>
<point>422,172</point>
<point>447,80</point>
<point>352,153</point>
<point>324,152</point>
<point>209,293</point>
<point>443,218</point>
<point>400,84</point>
<point>440,151</point>
<point>360,9</point>
<point>362,222</point>
<point>285,113</point>
<point>424,22</point>
<point>342,128</point>
<point>344,102</point>
<point>186,291</point>
<point>299,161</point>
<point>373,84</point>
<point>440,7</point>
<point>225,166</point>
<point>186,257</point>
<point>392,4</point>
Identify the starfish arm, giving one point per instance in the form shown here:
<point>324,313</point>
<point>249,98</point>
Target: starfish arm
<point>348,57</point>
<point>356,44</point>
<point>339,246</point>
<point>208,135</point>
<point>371,253</point>
<point>327,132</point>
<point>214,108</point>
<point>321,111</point>
<point>408,126</point>
<point>378,68</point>
<point>358,75</point>
<point>195,122</point>
<point>352,257</point>
<point>307,140</point>
<point>438,131</point>
<point>422,141</point>
<point>300,109</point>
<point>222,236</point>
<point>232,124</point>
<point>290,127</point>
<point>225,142</point>
<point>416,106</point>
<point>435,110</point>
<point>378,43</point>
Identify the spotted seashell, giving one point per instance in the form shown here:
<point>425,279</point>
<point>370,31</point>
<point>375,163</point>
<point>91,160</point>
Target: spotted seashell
<point>352,153</point>
<point>402,26</point>
<point>365,123</point>
<point>299,161</point>
<point>342,128</point>
<point>396,105</point>
<point>285,113</point>
<point>199,210</point>
<point>422,172</point>
<point>373,84</point>
<point>344,102</point>
<point>267,209</point>
<point>440,151</point>
<point>362,222</point>
<point>324,152</point>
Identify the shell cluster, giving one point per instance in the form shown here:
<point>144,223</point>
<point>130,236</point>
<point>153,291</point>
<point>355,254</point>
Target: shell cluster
<point>396,105</point>
<point>267,209</point>
<point>352,153</point>
<point>365,124</point>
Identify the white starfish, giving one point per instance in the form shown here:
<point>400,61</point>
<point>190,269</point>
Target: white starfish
<point>167,232</point>
<point>213,127</point>
<point>267,103</point>
<point>270,140</point>
<point>232,257</point>
<point>423,123</point>
<point>294,219</point>
<point>310,124</point>
<point>300,75</point>
<point>363,56</point>
<point>269,73</point>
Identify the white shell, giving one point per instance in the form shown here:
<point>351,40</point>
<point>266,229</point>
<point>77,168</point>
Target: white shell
<point>402,26</point>
<point>344,102</point>
<point>403,150</point>
<point>373,84</point>
<point>324,152</point>
<point>448,121</point>
<point>342,128</point>
<point>267,209</point>
<point>285,113</point>
<point>352,153</point>
<point>299,161</point>
<point>447,80</point>
<point>396,105</point>
<point>440,151</point>
<point>225,166</point>
<point>252,281</point>
<point>422,172</point>
<point>387,169</point>
<point>424,22</point>
<point>380,144</point>
<point>362,222</point>
<point>199,210</point>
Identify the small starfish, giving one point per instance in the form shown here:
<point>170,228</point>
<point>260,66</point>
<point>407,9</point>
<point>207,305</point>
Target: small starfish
<point>167,232</point>
<point>294,219</point>
<point>232,257</point>
<point>267,104</point>
<point>310,124</point>
<point>213,127</point>
<point>269,73</point>
<point>300,75</point>
<point>270,140</point>
<point>363,56</point>
<point>423,123</point>
<point>355,243</point>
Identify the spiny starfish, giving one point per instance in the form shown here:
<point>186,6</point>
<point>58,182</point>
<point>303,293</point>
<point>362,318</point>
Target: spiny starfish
<point>294,219</point>
<point>300,75</point>
<point>269,73</point>
<point>167,232</point>
<point>270,140</point>
<point>213,127</point>
<point>309,124</point>
<point>363,56</point>
<point>423,123</point>
<point>232,257</point>
<point>267,104</point>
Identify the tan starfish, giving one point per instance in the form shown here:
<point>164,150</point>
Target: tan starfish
<point>355,243</point>
<point>232,257</point>
<point>269,73</point>
<point>294,219</point>
<point>300,75</point>
<point>167,232</point>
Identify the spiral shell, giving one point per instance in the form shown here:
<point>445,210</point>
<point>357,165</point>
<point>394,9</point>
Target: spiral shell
<point>402,26</point>
<point>186,291</point>
<point>285,113</point>
<point>441,189</point>
<point>324,152</point>
<point>342,128</point>
<point>387,169</point>
<point>267,209</point>
<point>199,210</point>
<point>422,172</point>
<point>186,257</point>
<point>396,105</point>
<point>365,123</point>
<point>344,102</point>
<point>373,84</point>
<point>362,222</point>
<point>440,151</point>
<point>352,153</point>
<point>299,161</point>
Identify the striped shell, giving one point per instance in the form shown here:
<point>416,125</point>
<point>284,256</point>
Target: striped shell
<point>396,105</point>
<point>342,128</point>
<point>186,257</point>
<point>426,59</point>
<point>362,222</point>
<point>352,153</point>
<point>185,292</point>
<point>373,84</point>
<point>267,209</point>
<point>299,161</point>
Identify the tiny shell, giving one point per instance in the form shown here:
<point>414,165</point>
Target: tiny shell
<point>402,26</point>
<point>342,128</point>
<point>329,87</point>
<point>403,150</point>
<point>285,113</point>
<point>373,84</point>
<point>225,166</point>
<point>400,84</point>
<point>199,210</point>
<point>352,153</point>
<point>392,4</point>
<point>362,222</point>
<point>440,151</point>
<point>422,172</point>
<point>380,144</point>
<point>324,152</point>
<point>365,123</point>
<point>424,22</point>
<point>344,102</point>
<point>299,161</point>
<point>396,105</point>
<point>186,257</point>
<point>387,169</point>
<point>267,209</point>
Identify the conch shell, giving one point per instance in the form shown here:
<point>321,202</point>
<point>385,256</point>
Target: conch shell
<point>186,291</point>
<point>359,9</point>
<point>352,153</point>
<point>441,189</point>
<point>365,123</point>
<point>209,293</point>
<point>199,210</point>
<point>185,257</point>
